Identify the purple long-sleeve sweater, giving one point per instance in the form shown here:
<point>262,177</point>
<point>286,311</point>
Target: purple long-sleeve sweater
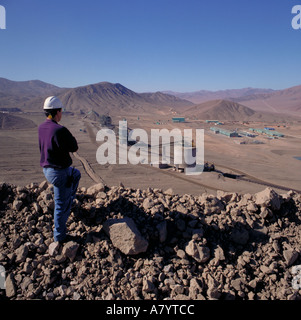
<point>55,143</point>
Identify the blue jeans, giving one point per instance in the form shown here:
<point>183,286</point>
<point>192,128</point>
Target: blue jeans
<point>63,197</point>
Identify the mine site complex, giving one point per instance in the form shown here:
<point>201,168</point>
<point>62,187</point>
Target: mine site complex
<point>231,232</point>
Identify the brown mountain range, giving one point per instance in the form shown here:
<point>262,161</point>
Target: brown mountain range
<point>281,101</point>
<point>109,98</point>
<point>103,97</point>
<point>10,122</point>
<point>228,110</point>
<point>287,101</point>
<point>205,95</point>
<point>19,93</point>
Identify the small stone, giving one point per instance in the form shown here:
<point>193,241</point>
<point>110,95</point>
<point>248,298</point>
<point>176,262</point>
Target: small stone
<point>290,256</point>
<point>236,284</point>
<point>265,269</point>
<point>197,234</point>
<point>76,296</point>
<point>27,268</point>
<point>199,253</point>
<point>177,289</point>
<point>251,207</point>
<point>194,289</point>
<point>251,295</point>
<point>53,248</point>
<point>21,253</point>
<point>43,185</point>
<point>181,254</point>
<point>10,286</point>
<point>17,204</point>
<point>50,296</point>
<point>17,242</point>
<point>219,254</point>
<point>213,293</point>
<point>36,207</point>
<point>148,286</point>
<point>253,283</point>
<point>25,283</point>
<point>70,250</point>
<point>62,290</point>
<point>95,189</point>
<point>147,204</point>
<point>168,268</point>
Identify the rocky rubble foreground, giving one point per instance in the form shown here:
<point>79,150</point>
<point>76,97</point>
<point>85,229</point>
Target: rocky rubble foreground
<point>150,244</point>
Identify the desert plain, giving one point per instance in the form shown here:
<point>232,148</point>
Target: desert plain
<point>274,162</point>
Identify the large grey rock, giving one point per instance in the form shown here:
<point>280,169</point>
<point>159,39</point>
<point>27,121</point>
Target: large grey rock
<point>148,286</point>
<point>21,253</point>
<point>199,253</point>
<point>194,289</point>
<point>125,236</point>
<point>290,256</point>
<point>70,250</point>
<point>17,204</point>
<point>268,198</point>
<point>95,189</point>
<point>148,203</point>
<point>43,185</point>
<point>54,248</point>
<point>10,286</point>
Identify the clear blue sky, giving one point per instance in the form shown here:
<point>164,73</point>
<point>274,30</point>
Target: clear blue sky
<point>152,45</point>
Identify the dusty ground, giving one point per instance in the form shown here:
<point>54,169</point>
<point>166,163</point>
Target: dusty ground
<point>272,162</point>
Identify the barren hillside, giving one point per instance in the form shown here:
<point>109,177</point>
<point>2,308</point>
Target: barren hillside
<point>282,101</point>
<point>228,246</point>
<point>205,95</point>
<point>231,111</point>
<point>9,122</point>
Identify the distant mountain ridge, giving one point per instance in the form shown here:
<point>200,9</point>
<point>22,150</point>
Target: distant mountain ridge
<point>11,122</point>
<point>103,97</point>
<point>225,110</point>
<point>19,93</point>
<point>109,98</point>
<point>32,88</point>
<point>206,95</point>
<point>114,98</point>
<point>287,100</point>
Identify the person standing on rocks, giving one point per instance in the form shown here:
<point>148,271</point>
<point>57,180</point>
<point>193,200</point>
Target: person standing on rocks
<point>56,142</point>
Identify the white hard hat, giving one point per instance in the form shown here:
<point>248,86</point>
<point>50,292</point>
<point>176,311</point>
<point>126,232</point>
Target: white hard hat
<point>52,103</point>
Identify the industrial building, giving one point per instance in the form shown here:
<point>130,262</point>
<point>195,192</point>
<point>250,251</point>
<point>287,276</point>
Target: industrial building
<point>257,130</point>
<point>247,134</point>
<point>178,119</point>
<point>228,133</point>
<point>274,134</point>
<point>214,129</point>
<point>216,122</point>
<point>268,132</point>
